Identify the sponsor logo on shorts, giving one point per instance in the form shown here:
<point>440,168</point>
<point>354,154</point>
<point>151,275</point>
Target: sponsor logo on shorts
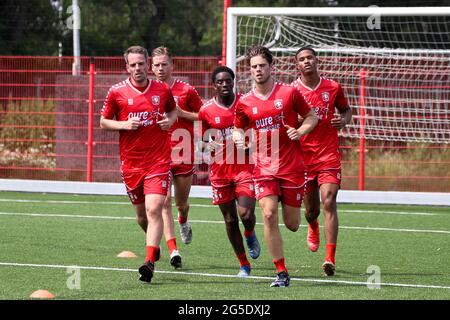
<point>164,184</point>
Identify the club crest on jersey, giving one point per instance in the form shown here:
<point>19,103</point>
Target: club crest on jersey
<point>217,119</point>
<point>255,110</point>
<point>278,104</point>
<point>130,101</point>
<point>325,96</point>
<point>155,100</point>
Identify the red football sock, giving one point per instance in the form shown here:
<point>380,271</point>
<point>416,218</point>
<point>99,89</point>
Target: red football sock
<point>330,252</point>
<point>171,244</point>
<point>279,264</point>
<point>182,219</point>
<point>152,254</point>
<point>248,233</point>
<point>243,261</point>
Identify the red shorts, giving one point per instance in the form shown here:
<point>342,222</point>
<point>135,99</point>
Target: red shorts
<point>229,192</point>
<point>182,169</point>
<point>289,191</point>
<point>318,177</point>
<point>142,182</point>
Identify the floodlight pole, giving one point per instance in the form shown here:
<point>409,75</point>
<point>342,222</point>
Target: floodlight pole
<point>76,66</point>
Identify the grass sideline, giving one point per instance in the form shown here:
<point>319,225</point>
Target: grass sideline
<point>45,235</point>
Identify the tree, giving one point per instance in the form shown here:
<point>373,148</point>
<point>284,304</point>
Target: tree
<point>108,27</point>
<point>28,27</point>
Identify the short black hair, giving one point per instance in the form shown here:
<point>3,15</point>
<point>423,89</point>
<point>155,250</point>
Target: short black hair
<point>309,48</point>
<point>220,69</point>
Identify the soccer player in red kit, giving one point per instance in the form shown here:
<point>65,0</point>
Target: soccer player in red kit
<point>143,110</point>
<point>321,152</point>
<point>231,181</point>
<point>271,109</point>
<point>182,142</point>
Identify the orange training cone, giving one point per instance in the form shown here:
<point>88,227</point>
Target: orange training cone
<point>127,254</point>
<point>42,294</point>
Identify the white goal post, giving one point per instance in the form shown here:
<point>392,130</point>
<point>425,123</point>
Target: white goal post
<point>401,55</point>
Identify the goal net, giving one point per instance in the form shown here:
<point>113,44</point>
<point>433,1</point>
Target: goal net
<point>394,63</point>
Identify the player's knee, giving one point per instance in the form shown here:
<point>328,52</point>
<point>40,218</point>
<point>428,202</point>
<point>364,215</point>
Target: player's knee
<point>329,204</point>
<point>246,214</point>
<point>312,213</point>
<point>292,225</point>
<point>270,216</point>
<point>231,221</point>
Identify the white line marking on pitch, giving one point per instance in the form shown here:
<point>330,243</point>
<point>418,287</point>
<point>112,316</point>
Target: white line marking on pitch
<point>207,206</point>
<point>63,215</point>
<point>32,265</point>
<point>203,221</point>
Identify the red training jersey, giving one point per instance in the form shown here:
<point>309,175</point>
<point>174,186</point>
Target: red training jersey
<point>187,99</point>
<point>275,155</point>
<point>225,164</point>
<point>147,147</point>
<point>321,146</point>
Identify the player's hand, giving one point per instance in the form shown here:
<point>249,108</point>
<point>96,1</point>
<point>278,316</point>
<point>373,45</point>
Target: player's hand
<point>338,122</point>
<point>165,123</point>
<point>180,112</point>
<point>214,146</point>
<point>132,123</point>
<point>292,133</point>
<point>238,139</point>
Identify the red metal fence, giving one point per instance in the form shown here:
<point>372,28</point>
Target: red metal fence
<point>49,128</point>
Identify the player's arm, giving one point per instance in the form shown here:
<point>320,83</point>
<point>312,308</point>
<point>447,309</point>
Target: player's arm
<point>240,121</point>
<point>309,123</point>
<point>108,115</point>
<point>191,116</point>
<point>342,118</point>
<point>168,120</point>
<point>110,124</point>
<point>194,104</point>
<point>344,114</point>
<point>304,110</point>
